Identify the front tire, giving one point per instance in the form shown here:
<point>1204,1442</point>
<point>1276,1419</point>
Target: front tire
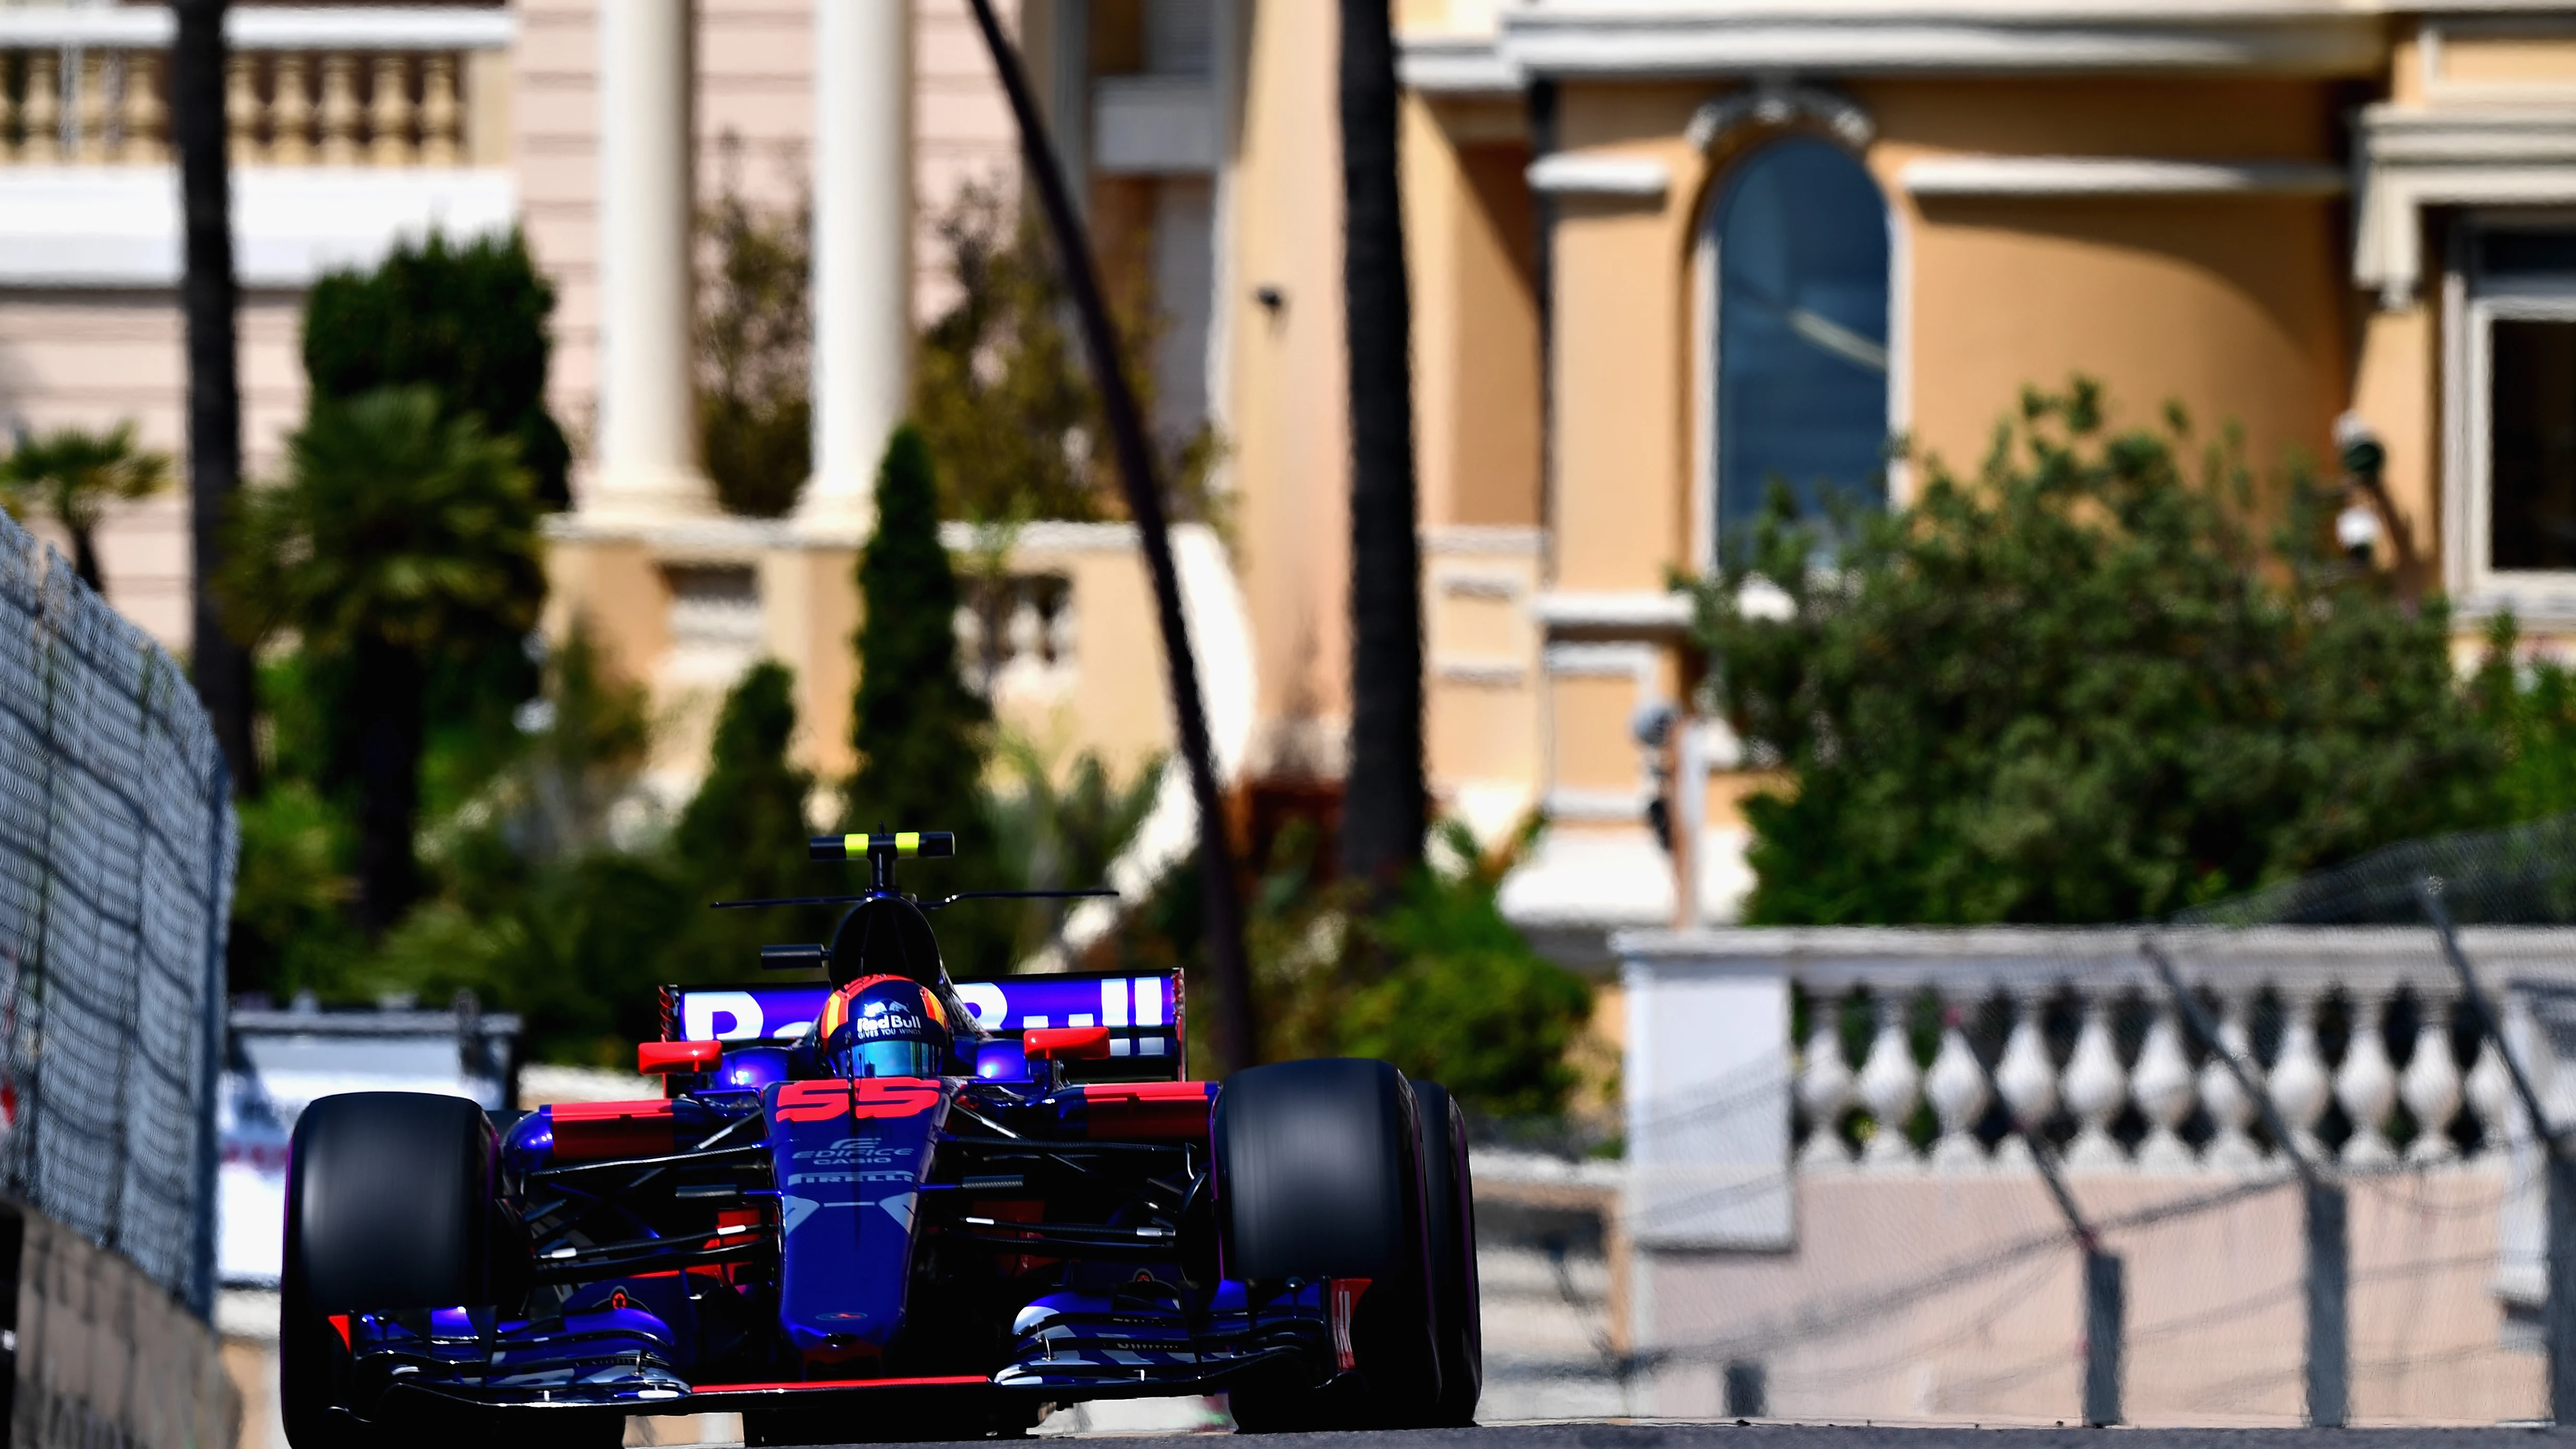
<point>1319,1176</point>
<point>1449,1200</point>
<point>389,1206</point>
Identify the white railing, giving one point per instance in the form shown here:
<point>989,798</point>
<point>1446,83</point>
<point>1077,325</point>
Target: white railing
<point>2195,1115</point>
<point>319,86</point>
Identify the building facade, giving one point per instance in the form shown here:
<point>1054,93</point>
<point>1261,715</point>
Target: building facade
<point>1660,253</point>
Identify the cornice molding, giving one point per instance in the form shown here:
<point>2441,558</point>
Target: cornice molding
<point>1456,65</point>
<point>1929,38</point>
<point>2408,160</point>
<point>2087,176</point>
<point>1579,173</point>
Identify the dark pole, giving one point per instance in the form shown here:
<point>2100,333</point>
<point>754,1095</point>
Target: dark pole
<point>221,665</point>
<point>1382,802</point>
<point>2324,1209</point>
<point>1144,489</point>
<point>2558,1310</point>
<point>2105,1300</point>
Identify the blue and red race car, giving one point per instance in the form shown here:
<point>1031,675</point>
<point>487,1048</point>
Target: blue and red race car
<point>886,1205</point>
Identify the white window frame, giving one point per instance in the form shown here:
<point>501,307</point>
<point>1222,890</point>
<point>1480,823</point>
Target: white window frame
<point>2473,304</point>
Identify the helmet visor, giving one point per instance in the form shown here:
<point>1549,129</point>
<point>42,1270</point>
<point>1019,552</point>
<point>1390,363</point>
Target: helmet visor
<point>885,1058</point>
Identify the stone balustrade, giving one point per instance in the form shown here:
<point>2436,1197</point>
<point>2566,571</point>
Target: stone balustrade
<point>2359,1038</point>
<point>304,87</point>
<point>1758,1057</point>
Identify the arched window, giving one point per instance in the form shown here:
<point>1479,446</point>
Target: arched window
<point>1801,338</point>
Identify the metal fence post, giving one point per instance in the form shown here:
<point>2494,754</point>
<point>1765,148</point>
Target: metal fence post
<point>2560,1321</point>
<point>2329,1260</point>
<point>2105,1311</point>
<point>2558,1314</point>
<point>2105,1318</point>
<point>2329,1269</point>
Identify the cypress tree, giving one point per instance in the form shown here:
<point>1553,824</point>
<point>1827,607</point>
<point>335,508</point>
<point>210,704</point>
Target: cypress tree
<point>742,836</point>
<point>919,733</point>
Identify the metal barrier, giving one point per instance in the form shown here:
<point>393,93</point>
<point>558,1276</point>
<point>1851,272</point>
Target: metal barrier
<point>117,847</point>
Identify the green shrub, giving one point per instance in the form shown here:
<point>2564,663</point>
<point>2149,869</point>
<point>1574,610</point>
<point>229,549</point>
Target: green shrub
<point>2082,687</point>
<point>468,321</point>
<point>755,355</point>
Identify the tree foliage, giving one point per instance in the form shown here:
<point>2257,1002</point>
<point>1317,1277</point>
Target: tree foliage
<point>469,321</point>
<point>919,734</point>
<point>2087,685</point>
<point>71,475</point>
<point>1003,394</point>
<point>755,354</point>
<point>399,541</point>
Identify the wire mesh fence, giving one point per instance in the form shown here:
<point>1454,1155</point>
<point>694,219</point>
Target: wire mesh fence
<point>2299,1181</point>
<point>117,849</point>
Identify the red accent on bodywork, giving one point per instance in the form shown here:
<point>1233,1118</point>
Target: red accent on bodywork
<point>1146,1109</point>
<point>1065,1043</point>
<point>653,1057</point>
<point>340,1324</point>
<point>821,1101</point>
<point>594,1131</point>
<point>1341,1301</point>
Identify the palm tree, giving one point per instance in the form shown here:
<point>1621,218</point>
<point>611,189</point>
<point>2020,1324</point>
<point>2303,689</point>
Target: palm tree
<point>72,475</point>
<point>219,663</point>
<point>397,541</point>
<point>1382,802</point>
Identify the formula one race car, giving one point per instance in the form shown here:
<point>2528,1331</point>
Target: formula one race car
<point>881,1206</point>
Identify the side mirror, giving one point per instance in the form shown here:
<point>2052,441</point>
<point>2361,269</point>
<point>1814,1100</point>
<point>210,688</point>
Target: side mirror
<point>1065,1043</point>
<point>654,1058</point>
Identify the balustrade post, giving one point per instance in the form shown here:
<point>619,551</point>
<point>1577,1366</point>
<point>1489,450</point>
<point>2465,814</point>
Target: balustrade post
<point>1956,1087</point>
<point>339,110</point>
<point>89,120</point>
<point>2229,1107</point>
<point>2299,1083</point>
<point>1889,1083</point>
<point>2431,1088</point>
<point>440,113</point>
<point>2096,1087</point>
<point>2366,1084</point>
<point>145,127</point>
<point>2162,1085</point>
<point>42,115</point>
<point>241,110</point>
<point>290,111</point>
<point>2027,1079</point>
<point>1824,1086</point>
<point>389,114</point>
<point>2490,1092</point>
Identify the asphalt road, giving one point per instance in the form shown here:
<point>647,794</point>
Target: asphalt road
<point>1816,1436</point>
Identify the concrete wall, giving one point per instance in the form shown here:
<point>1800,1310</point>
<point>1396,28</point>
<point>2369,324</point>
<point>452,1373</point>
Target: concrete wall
<point>104,1357</point>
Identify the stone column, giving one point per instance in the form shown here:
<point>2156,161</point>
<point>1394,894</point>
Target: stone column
<point>862,251</point>
<point>648,454</point>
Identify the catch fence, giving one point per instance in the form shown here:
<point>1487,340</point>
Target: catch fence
<point>117,849</point>
<point>2266,1164</point>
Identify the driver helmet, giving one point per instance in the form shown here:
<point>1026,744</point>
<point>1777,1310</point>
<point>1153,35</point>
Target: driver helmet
<point>884,1026</point>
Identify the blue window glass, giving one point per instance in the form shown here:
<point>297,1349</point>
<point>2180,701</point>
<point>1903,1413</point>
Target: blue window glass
<point>1801,333</point>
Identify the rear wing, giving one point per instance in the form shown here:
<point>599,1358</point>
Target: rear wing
<point>1142,1011</point>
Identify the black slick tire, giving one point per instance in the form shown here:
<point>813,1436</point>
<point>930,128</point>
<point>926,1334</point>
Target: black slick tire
<point>1449,1207</point>
<point>1319,1176</point>
<point>389,1207</point>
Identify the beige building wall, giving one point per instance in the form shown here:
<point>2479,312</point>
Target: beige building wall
<point>95,358</point>
<point>1290,468</point>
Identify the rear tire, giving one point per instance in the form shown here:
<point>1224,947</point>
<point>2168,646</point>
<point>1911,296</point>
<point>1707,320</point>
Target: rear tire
<point>389,1206</point>
<point>1449,1207</point>
<point>1319,1176</point>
